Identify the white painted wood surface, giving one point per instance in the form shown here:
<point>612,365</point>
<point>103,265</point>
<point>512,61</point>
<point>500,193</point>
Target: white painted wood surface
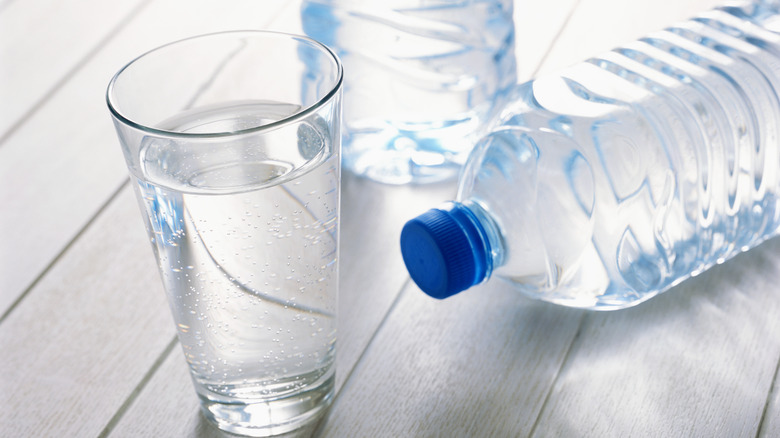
<point>88,344</point>
<point>60,166</point>
<point>62,36</point>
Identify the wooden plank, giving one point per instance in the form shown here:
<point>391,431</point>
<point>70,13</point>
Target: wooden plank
<point>476,364</point>
<point>373,272</point>
<point>59,167</point>
<point>168,406</point>
<point>72,33</point>
<point>86,334</point>
<point>696,361</point>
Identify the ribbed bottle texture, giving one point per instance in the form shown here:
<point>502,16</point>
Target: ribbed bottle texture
<point>628,173</point>
<point>420,79</point>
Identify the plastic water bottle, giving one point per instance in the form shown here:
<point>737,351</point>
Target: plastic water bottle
<point>421,78</point>
<point>620,177</point>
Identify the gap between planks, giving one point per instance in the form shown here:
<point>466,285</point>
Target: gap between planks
<point>574,341</point>
<point>138,388</point>
<point>64,250</point>
<point>363,353</point>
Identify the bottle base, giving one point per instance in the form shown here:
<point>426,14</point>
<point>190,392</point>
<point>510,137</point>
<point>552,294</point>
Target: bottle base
<point>396,167</point>
<point>409,153</point>
<point>274,417</point>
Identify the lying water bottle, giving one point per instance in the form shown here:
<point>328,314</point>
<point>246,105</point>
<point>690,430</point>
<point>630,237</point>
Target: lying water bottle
<point>614,180</point>
<point>421,78</point>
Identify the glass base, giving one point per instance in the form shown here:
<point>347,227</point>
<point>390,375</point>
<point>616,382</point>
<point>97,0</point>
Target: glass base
<point>271,417</point>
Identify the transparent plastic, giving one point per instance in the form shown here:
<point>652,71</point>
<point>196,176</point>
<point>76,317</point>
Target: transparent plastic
<point>622,176</point>
<point>421,80</point>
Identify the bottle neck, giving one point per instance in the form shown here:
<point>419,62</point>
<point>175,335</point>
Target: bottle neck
<point>486,230</point>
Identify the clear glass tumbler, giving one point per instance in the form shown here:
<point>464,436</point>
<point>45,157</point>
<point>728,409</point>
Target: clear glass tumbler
<point>232,143</point>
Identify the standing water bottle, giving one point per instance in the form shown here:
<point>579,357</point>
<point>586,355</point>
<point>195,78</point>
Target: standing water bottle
<point>421,78</point>
<point>618,178</point>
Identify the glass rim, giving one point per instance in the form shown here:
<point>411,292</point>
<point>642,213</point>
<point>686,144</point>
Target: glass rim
<point>302,113</point>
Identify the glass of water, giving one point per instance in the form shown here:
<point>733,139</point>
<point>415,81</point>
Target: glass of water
<point>232,142</point>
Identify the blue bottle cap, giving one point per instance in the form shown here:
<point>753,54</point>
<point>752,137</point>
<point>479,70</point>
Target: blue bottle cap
<point>445,251</point>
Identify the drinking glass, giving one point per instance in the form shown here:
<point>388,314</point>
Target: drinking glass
<point>232,141</point>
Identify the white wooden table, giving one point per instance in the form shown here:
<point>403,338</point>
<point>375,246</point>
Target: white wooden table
<point>87,344</point>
